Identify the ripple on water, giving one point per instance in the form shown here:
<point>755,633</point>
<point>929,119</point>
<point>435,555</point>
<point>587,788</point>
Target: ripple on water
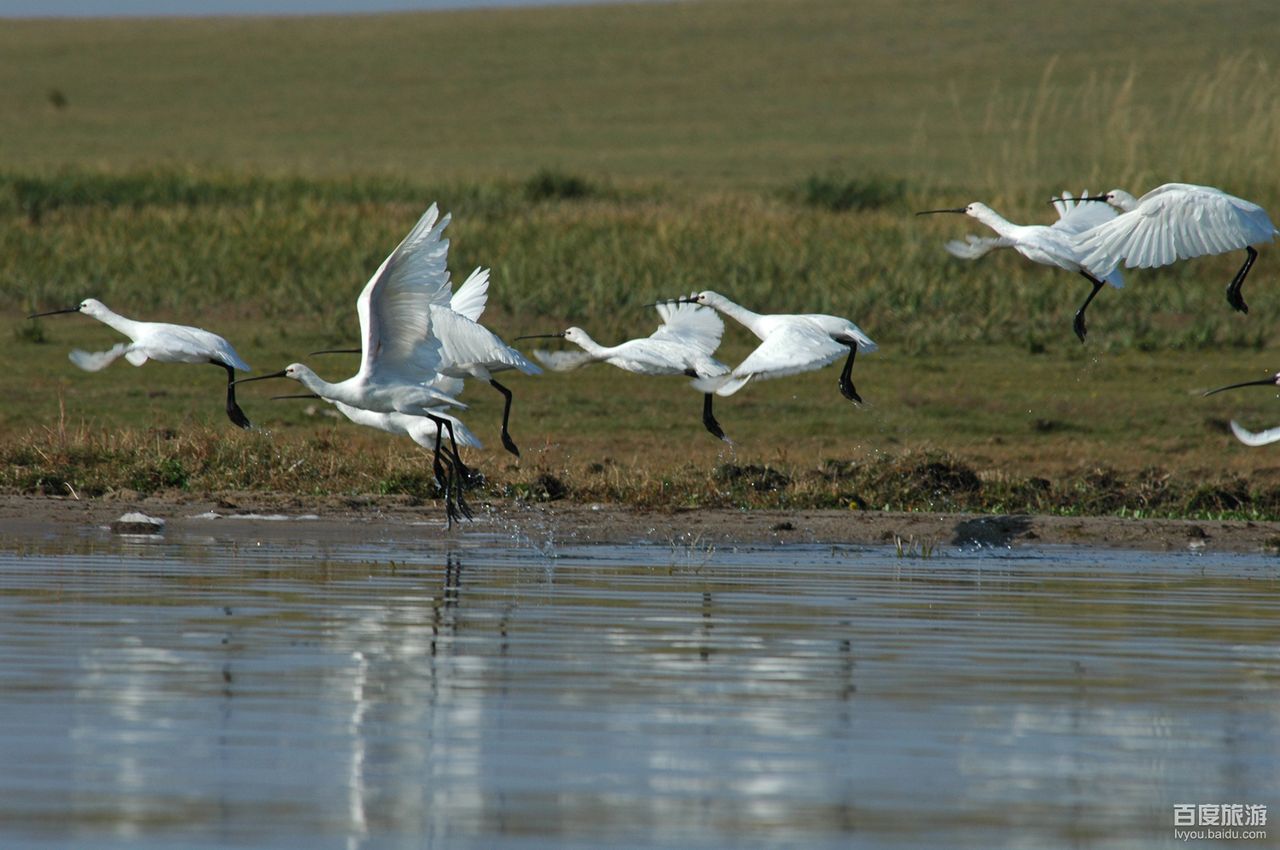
<point>503,691</point>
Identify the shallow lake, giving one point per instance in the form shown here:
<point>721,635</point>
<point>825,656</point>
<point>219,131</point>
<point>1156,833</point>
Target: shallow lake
<point>498,691</point>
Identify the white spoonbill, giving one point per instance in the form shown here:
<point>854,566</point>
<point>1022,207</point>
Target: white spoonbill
<point>790,344</point>
<point>161,342</point>
<point>1057,244</point>
<point>1178,221</point>
<point>1253,438</point>
<point>467,348</point>
<point>682,345</point>
<point>400,358</point>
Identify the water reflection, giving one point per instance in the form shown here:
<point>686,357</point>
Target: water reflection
<point>279,693</point>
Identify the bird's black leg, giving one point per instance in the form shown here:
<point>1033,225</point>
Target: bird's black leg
<point>459,471</point>
<point>1234,298</point>
<point>464,471</point>
<point>709,419</point>
<point>1078,325</point>
<point>507,442</point>
<point>234,413</point>
<point>846,383</point>
<point>444,480</point>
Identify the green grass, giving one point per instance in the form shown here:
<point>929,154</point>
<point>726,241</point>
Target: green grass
<point>248,175</point>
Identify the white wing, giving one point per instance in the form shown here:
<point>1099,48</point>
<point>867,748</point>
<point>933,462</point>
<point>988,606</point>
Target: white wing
<point>562,361</point>
<point>464,343</point>
<point>974,247</point>
<point>790,350</point>
<point>1177,221</point>
<point>689,324</point>
<point>471,298</point>
<point>1252,438</point>
<point>95,361</point>
<point>1078,216</point>
<point>395,305</point>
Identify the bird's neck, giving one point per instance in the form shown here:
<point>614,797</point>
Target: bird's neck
<point>114,320</point>
<point>592,347</point>
<point>995,221</point>
<point>736,312</point>
<point>322,388</point>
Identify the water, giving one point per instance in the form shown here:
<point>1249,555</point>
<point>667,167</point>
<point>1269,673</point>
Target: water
<point>260,689</point>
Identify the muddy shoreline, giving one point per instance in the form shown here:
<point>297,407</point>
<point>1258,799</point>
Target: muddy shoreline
<point>390,517</point>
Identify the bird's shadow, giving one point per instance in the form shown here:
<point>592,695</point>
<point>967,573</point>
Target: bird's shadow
<point>991,531</point>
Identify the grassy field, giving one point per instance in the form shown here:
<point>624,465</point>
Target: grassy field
<point>247,176</point>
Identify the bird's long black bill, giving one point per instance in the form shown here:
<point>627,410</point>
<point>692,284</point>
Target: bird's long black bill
<point>543,336</point>
<point>1102,198</point>
<point>54,312</point>
<point>960,210</point>
<point>337,351</point>
<point>1264,382</point>
<point>282,373</point>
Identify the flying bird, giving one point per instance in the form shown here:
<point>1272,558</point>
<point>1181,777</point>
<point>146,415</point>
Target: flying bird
<point>400,357</point>
<point>682,345</point>
<point>467,348</point>
<point>1178,221</point>
<point>790,344</point>
<point>1057,244</point>
<point>162,342</point>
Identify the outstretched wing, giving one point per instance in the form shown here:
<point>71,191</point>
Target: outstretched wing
<point>562,361</point>
<point>1177,221</point>
<point>1076,216</point>
<point>689,324</point>
<point>974,247</point>
<point>466,344</point>
<point>790,350</point>
<point>395,305</point>
<point>98,360</point>
<point>1255,438</point>
<point>470,298</point>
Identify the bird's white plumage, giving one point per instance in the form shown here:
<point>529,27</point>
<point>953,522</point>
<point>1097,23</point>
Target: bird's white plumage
<point>163,342</point>
<point>789,350</point>
<point>1076,216</point>
<point>972,247</point>
<point>790,344</point>
<point>400,357</point>
<point>563,361</point>
<point>420,429</point>
<point>1255,438</point>
<point>1176,221</point>
<point>98,360</point>
<point>471,298</point>
<point>159,341</point>
<point>682,345</point>
<point>469,349</point>
<point>395,306</point>
<point>1058,244</point>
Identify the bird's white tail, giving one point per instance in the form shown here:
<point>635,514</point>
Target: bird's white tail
<point>98,360</point>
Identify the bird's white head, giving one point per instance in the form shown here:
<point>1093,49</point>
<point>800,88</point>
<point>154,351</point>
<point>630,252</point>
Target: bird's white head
<point>1118,198</point>
<point>298,372</point>
<point>576,335</point>
<point>1121,199</point>
<point>93,307</point>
